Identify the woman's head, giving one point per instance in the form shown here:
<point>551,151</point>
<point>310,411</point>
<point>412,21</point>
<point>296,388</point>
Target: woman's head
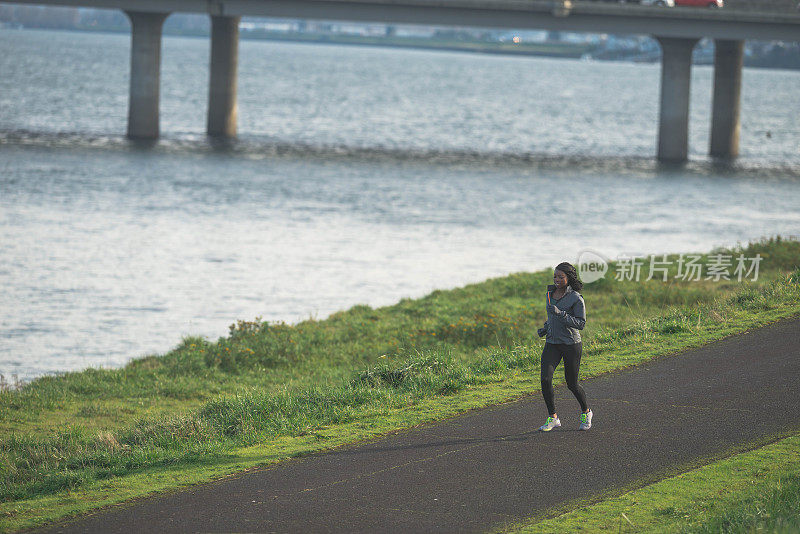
<point>566,275</point>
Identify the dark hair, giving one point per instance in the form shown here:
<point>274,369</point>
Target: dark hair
<point>572,275</point>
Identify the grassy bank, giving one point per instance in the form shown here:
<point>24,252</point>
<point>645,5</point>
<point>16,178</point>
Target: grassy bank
<point>756,491</point>
<point>268,391</point>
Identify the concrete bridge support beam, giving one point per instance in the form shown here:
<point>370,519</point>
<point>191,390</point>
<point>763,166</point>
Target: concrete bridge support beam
<point>145,73</point>
<point>676,75</point>
<point>725,125</point>
<point>222,82</point>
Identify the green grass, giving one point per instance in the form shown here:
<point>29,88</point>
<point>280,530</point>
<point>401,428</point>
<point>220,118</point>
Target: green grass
<point>755,491</point>
<point>269,391</point>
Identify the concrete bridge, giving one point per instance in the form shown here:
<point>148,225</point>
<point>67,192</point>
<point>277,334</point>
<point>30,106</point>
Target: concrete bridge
<point>676,29</point>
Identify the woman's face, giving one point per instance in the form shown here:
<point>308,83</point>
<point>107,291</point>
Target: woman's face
<point>559,279</point>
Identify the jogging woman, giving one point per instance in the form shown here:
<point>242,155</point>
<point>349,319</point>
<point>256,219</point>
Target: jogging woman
<point>566,316</point>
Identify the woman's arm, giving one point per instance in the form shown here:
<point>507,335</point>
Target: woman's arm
<point>578,320</point>
<point>543,330</point>
<point>546,326</point>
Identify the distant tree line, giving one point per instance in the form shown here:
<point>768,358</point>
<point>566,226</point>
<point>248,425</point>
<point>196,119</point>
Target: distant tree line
<point>72,18</point>
<point>60,18</point>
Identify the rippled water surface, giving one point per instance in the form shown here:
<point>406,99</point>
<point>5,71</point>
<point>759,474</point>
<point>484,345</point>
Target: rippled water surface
<point>361,175</point>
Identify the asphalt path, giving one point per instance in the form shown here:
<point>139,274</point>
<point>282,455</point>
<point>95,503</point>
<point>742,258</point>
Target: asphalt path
<point>491,466</point>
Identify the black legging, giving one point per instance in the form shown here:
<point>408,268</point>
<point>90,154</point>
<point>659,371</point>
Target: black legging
<point>551,356</point>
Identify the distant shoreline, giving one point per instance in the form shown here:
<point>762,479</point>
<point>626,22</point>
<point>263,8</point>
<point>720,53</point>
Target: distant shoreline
<point>566,50</point>
<point>544,49</point>
<point>563,50</point>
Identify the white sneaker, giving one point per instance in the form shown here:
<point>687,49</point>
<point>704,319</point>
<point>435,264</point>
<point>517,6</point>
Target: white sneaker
<point>550,424</point>
<point>586,420</point>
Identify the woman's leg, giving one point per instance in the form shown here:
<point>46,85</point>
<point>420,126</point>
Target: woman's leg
<point>551,356</point>
<point>572,364</point>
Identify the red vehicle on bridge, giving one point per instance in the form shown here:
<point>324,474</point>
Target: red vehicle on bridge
<point>700,3</point>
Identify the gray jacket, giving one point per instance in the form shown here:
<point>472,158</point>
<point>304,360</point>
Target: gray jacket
<point>564,326</point>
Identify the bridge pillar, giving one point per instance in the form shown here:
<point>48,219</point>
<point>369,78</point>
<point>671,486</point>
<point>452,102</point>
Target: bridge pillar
<point>725,125</point>
<point>676,75</point>
<point>145,73</point>
<point>222,80</point>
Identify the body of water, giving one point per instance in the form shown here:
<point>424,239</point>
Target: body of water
<point>361,175</point>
